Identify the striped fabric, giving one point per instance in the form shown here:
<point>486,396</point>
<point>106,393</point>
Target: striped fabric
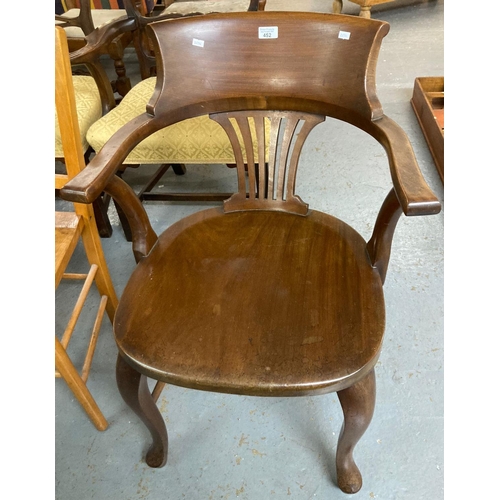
<point>95,4</point>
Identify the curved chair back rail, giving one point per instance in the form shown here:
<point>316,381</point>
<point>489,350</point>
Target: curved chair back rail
<point>327,69</point>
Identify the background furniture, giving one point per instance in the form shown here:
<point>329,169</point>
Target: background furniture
<point>264,296</point>
<point>365,5</point>
<point>70,229</point>
<point>82,17</point>
<point>428,104</point>
<point>93,98</point>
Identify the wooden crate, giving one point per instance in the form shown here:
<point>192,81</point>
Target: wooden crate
<point>428,103</point>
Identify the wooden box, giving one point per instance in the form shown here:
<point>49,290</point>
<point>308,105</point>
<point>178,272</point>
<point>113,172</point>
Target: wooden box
<point>428,103</point>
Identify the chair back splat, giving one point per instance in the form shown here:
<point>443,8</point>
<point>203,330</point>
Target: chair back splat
<point>265,296</point>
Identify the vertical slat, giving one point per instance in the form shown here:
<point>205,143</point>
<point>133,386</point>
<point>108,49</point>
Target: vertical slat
<point>291,124</point>
<point>273,146</point>
<point>285,144</point>
<point>307,126</point>
<point>248,143</point>
<point>261,147</point>
<point>225,122</point>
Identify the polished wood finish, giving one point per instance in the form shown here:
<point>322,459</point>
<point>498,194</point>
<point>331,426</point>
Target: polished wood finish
<point>263,296</point>
<point>428,104</point>
<point>71,227</point>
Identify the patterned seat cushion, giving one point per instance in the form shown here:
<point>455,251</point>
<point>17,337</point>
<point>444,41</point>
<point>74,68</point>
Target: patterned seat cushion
<point>196,140</point>
<point>207,6</point>
<point>88,107</point>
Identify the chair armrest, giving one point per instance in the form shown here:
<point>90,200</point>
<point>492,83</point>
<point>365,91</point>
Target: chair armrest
<point>100,38</point>
<point>412,191</point>
<point>92,180</point>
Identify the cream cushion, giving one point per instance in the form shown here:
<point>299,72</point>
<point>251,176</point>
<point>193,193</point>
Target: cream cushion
<point>207,6</point>
<point>88,107</point>
<point>196,140</point>
<point>100,17</point>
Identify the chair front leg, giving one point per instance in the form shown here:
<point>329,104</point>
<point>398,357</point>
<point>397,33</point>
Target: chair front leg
<point>134,390</point>
<point>358,403</point>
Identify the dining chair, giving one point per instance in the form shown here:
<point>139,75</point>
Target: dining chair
<point>263,296</point>
<point>81,17</point>
<point>74,227</point>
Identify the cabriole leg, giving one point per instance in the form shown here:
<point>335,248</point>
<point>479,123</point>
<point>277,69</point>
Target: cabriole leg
<point>358,402</point>
<point>134,390</point>
<point>337,6</point>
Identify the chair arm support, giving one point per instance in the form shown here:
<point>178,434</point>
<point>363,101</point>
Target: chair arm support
<point>143,235</point>
<point>93,179</point>
<point>100,38</point>
<point>379,246</point>
<point>412,191</point>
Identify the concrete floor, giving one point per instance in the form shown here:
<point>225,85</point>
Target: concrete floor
<point>225,446</point>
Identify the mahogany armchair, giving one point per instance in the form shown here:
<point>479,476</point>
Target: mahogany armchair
<point>264,296</point>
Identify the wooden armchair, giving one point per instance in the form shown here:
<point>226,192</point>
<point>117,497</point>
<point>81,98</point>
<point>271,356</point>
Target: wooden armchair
<point>70,229</point>
<point>263,296</point>
<point>82,17</point>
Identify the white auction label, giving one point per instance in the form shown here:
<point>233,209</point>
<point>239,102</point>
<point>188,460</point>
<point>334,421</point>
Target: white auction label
<point>198,43</point>
<point>345,35</point>
<point>268,32</point>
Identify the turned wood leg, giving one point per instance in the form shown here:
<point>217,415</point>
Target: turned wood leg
<point>365,12</point>
<point>134,390</point>
<point>358,402</point>
<point>337,6</point>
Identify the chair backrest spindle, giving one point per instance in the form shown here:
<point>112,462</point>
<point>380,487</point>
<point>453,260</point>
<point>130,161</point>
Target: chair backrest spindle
<point>271,184</point>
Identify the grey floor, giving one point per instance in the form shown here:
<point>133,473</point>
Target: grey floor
<point>225,446</point>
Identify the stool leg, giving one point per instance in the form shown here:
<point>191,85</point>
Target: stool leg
<point>134,390</point>
<point>358,403</point>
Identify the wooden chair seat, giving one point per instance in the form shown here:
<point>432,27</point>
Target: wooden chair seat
<point>232,316</point>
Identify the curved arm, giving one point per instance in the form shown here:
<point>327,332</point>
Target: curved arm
<point>411,189</point>
<point>100,38</point>
<point>93,179</point>
<point>379,246</point>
